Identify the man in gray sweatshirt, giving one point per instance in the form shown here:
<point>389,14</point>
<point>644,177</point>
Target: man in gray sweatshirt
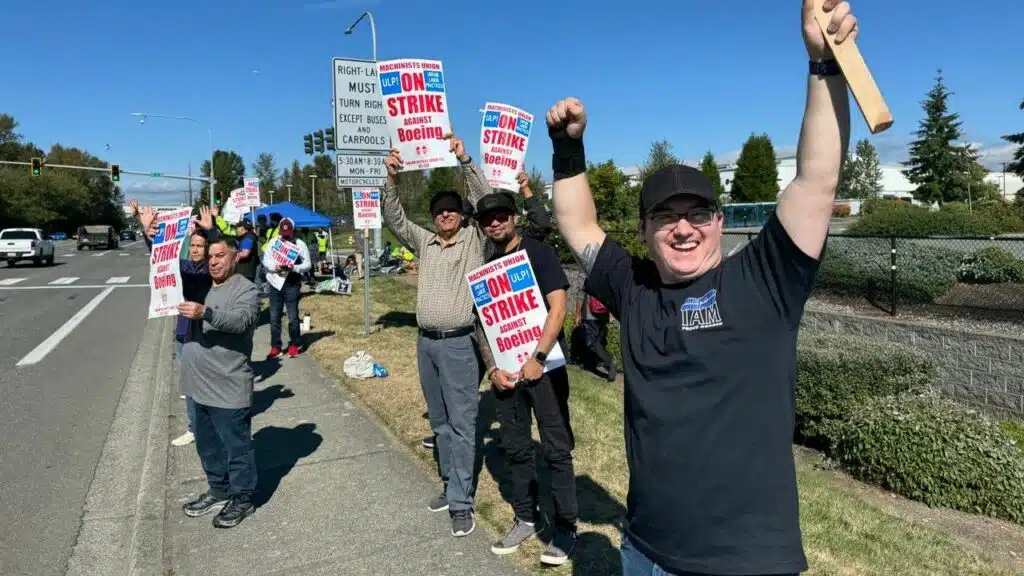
<point>216,374</point>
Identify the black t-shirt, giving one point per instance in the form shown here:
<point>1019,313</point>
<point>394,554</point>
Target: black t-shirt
<point>546,268</point>
<point>710,372</point>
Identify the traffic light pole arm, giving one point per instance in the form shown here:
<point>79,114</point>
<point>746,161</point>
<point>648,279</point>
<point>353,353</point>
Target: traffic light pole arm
<point>107,170</point>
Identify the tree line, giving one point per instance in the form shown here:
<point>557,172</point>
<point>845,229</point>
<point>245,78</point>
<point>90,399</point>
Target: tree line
<point>58,200</point>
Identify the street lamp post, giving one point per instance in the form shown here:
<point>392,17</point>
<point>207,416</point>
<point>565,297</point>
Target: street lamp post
<point>377,238</point>
<point>289,192</point>
<point>313,178</point>
<point>142,120</point>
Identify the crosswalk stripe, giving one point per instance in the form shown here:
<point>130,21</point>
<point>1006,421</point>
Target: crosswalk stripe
<point>67,280</point>
<point>118,280</point>
<point>72,255</point>
<point>10,281</point>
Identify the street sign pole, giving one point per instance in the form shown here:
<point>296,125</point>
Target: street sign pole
<point>366,277</point>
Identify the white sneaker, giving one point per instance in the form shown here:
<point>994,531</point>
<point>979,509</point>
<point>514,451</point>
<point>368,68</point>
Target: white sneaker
<point>184,440</point>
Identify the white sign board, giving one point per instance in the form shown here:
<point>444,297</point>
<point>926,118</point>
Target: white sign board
<point>362,171</point>
<point>366,209</point>
<point>359,120</point>
<point>252,192</point>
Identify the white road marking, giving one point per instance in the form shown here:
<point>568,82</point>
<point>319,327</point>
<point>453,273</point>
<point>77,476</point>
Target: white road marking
<point>102,253</point>
<point>62,281</point>
<point>118,280</point>
<point>130,243</point>
<point>54,339</point>
<point>10,281</point>
<point>124,254</point>
<point>72,255</point>
<point>77,287</point>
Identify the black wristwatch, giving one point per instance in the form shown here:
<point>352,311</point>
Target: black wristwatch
<point>828,67</point>
<point>541,357</point>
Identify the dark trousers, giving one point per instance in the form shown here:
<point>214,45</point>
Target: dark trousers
<point>595,334</point>
<point>548,399</point>
<point>287,298</point>
<point>224,444</point>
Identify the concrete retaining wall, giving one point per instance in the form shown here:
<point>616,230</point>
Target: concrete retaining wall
<point>982,370</point>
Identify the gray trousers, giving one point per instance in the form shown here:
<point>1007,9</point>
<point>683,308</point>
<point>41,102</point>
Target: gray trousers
<point>450,374</point>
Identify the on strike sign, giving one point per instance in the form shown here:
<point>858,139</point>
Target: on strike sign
<point>284,254</point>
<point>366,209</point>
<point>512,311</point>
<point>164,271</point>
<point>503,139</point>
<point>417,112</point>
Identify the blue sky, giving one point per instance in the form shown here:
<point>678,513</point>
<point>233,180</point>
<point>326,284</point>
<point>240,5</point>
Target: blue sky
<point>703,75</point>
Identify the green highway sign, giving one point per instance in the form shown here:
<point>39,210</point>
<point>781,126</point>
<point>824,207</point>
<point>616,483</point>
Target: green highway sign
<point>156,174</point>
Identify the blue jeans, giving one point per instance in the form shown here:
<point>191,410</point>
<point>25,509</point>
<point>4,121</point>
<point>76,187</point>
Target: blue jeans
<point>285,299</point>
<point>635,563</point>
<point>261,278</point>
<point>224,444</point>
<point>190,406</point>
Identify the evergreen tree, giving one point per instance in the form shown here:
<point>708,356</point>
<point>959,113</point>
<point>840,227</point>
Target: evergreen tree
<point>942,169</point>
<point>757,173</point>
<point>659,156</point>
<point>1017,166</point>
<point>846,176</point>
<point>865,172</point>
<point>710,169</point>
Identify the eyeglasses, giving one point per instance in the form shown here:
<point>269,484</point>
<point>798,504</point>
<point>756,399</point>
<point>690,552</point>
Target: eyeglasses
<point>698,217</point>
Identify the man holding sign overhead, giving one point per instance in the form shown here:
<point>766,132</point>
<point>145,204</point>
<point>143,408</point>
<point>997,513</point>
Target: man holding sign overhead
<point>520,298</point>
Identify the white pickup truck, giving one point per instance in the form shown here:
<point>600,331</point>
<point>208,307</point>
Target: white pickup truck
<point>25,244</point>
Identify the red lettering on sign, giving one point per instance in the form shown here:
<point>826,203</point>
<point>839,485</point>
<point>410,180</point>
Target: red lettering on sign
<point>165,281</point>
<point>498,285</point>
<point>415,104</point>
<point>496,160</point>
<point>508,308</point>
<point>412,82</point>
<point>425,133</point>
<point>518,339</point>
<point>499,138</point>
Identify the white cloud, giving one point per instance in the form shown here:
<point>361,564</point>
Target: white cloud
<point>157,191</point>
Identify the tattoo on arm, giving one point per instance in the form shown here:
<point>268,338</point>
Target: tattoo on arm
<point>587,256</point>
<point>485,348</point>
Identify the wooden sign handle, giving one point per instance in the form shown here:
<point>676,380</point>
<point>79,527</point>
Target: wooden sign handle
<point>858,77</point>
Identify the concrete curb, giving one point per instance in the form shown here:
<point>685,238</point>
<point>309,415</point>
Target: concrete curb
<point>123,516</point>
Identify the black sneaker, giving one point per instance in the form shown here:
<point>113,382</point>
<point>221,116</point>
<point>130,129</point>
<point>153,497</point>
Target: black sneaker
<point>238,509</point>
<point>204,505</point>
<point>428,442</point>
<point>440,502</point>
<point>462,523</point>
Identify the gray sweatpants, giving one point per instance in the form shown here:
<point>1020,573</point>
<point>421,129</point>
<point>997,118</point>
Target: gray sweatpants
<point>450,374</point>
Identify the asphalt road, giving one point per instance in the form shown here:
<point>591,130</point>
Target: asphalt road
<point>68,334</point>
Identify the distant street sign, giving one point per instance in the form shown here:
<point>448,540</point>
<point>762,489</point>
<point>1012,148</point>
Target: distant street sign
<point>362,170</point>
<point>360,124</point>
<point>156,174</point>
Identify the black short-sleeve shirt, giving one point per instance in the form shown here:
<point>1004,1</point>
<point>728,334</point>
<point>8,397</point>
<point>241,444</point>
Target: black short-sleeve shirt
<point>710,372</point>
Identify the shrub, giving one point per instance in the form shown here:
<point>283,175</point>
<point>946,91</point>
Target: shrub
<point>954,219</point>
<point>861,267</point>
<point>836,374</point>
<point>840,210</point>
<point>1014,430</point>
<point>930,449</point>
<point>627,233</point>
<point>990,265</point>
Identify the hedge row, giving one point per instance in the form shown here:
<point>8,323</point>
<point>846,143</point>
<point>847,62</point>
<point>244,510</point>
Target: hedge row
<point>880,216</point>
<point>871,408</point>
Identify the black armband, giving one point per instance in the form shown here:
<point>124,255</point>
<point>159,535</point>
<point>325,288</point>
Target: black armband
<point>568,157</point>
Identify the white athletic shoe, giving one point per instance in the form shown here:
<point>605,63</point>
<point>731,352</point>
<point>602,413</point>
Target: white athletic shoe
<point>184,440</point>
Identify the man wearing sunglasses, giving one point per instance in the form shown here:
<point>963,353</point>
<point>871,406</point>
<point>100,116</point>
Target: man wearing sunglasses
<point>708,343</point>
<point>545,394</point>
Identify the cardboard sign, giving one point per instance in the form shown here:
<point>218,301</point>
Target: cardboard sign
<point>504,136</point>
<point>284,254</point>
<point>236,206</point>
<point>165,263</point>
<point>512,311</point>
<point>252,192</point>
<point>417,110</point>
<point>366,209</point>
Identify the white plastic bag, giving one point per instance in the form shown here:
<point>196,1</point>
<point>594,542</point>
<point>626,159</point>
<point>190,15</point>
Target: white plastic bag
<point>359,365</point>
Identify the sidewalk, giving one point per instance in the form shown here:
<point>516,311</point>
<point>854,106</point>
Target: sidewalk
<point>337,494</point>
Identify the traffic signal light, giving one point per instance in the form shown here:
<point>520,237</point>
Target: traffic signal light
<point>329,139</point>
<point>37,166</point>
<point>115,172</point>
<point>307,140</point>
<point>318,141</point>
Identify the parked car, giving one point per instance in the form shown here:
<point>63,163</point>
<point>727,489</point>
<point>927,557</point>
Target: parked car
<point>129,234</point>
<point>26,244</point>
<point>93,237</point>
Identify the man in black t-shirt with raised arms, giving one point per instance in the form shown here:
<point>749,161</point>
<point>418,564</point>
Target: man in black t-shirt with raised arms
<point>709,345</point>
<point>546,393</point>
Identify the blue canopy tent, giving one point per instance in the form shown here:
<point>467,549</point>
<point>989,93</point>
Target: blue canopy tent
<point>302,217</point>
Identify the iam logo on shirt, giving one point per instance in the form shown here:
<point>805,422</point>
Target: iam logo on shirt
<point>700,313</point>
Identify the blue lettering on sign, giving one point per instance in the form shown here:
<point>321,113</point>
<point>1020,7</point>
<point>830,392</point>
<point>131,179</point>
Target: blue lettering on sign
<point>293,254</point>
<point>480,292</point>
<point>161,228</point>
<point>520,277</point>
<point>523,126</point>
<point>434,81</point>
<point>390,83</point>
<point>182,228</point>
<point>491,118</point>
<point>374,195</point>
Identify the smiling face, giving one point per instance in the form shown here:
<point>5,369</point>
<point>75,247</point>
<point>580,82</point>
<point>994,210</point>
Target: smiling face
<point>684,235</point>
<point>500,226</point>
<point>448,222</point>
<point>222,261</point>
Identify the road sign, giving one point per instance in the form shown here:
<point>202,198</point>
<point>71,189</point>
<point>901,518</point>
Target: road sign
<point>362,170</point>
<point>360,124</point>
<point>156,174</point>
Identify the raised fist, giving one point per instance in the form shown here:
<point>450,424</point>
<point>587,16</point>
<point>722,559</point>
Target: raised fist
<point>524,181</point>
<point>457,147</point>
<point>568,114</point>
<point>393,162</point>
<point>842,27</point>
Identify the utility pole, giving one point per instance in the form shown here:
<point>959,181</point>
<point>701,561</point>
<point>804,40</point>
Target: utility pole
<point>313,178</point>
<point>271,196</point>
<point>289,192</point>
<point>190,185</point>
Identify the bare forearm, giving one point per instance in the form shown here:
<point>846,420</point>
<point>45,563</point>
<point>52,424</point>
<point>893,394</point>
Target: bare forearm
<point>824,134</point>
<point>576,215</point>
<point>485,348</point>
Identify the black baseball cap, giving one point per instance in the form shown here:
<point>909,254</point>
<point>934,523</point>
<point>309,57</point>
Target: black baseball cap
<point>496,202</point>
<point>672,181</point>
<point>449,200</point>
